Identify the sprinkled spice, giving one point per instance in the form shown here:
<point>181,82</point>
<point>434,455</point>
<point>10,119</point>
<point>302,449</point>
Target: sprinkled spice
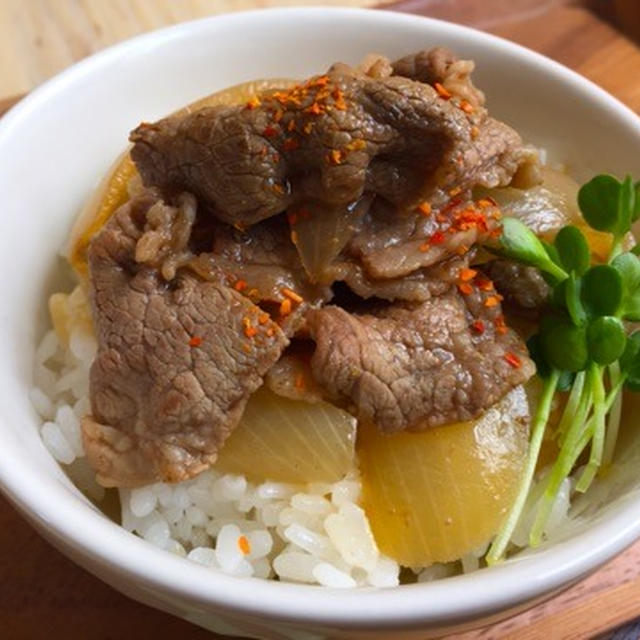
<point>240,285</point>
<point>465,288</point>
<point>424,208</point>
<point>437,238</point>
<point>492,301</point>
<point>254,103</point>
<point>500,325</point>
<point>269,132</point>
<point>195,341</point>
<point>292,295</point>
<point>483,203</point>
<point>335,156</point>
<point>466,106</point>
<point>455,191</point>
<point>467,274</point>
<point>442,92</point>
<point>484,284</point>
<point>478,326</point>
<point>246,347</point>
<point>285,307</point>
<point>475,132</point>
<point>249,331</point>
<point>270,331</point>
<point>263,318</point>
<point>244,545</point>
<point>513,360</point>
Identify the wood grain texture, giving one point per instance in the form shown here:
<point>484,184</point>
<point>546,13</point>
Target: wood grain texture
<point>43,594</point>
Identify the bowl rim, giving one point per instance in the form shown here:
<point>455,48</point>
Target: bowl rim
<point>56,511</point>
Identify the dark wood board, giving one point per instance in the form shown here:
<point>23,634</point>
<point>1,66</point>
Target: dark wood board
<point>42,594</point>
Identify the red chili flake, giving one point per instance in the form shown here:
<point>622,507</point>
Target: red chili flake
<point>466,106</point>
<point>437,238</point>
<point>269,131</point>
<point>475,132</point>
<point>253,103</point>
<point>249,331</point>
<point>240,285</point>
<point>291,125</point>
<point>484,284</point>
<point>478,326</point>
<point>513,360</point>
<point>278,116</point>
<point>442,92</point>
<point>278,188</point>
<point>496,233</point>
<point>465,288</point>
<point>290,144</point>
<point>253,293</point>
<point>315,109</point>
<point>455,191</point>
<point>492,301</point>
<point>246,347</point>
<point>320,81</point>
<point>195,341</point>
<point>500,324</point>
<point>467,274</point>
<point>270,331</point>
<point>424,208</point>
<point>335,156</point>
<point>292,295</point>
<point>487,202</point>
<point>263,318</point>
<point>285,307</point>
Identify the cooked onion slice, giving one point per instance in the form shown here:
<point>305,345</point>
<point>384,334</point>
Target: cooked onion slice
<point>437,495</point>
<point>290,441</point>
<point>320,232</point>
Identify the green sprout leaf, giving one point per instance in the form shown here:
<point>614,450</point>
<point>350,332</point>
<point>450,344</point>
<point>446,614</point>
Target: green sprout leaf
<point>606,339</point>
<point>626,206</point>
<point>572,249</point>
<point>520,243</point>
<point>563,345</point>
<point>635,214</point>
<point>598,201</point>
<point>602,290</point>
<point>628,266</point>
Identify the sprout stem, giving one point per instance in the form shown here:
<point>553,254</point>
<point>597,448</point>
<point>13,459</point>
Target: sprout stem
<point>571,406</point>
<point>599,416</point>
<point>613,425</point>
<point>499,545</point>
<point>563,465</point>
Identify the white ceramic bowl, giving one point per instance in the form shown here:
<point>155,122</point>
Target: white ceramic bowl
<point>55,146</point>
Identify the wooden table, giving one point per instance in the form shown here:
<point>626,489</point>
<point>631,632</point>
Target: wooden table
<point>42,594</point>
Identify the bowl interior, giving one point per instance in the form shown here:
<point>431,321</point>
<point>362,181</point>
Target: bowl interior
<point>55,147</point>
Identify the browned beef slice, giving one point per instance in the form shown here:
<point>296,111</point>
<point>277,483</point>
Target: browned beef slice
<point>414,366</point>
<point>520,285</point>
<point>261,262</point>
<point>443,66</point>
<point>176,362</point>
<point>392,245</point>
<point>330,140</point>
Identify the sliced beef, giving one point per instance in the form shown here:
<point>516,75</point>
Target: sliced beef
<point>414,366</point>
<point>261,262</point>
<point>176,361</point>
<point>441,65</point>
<point>330,140</point>
<point>520,285</point>
<point>390,245</point>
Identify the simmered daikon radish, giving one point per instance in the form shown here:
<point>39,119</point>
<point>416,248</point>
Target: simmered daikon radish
<point>437,495</point>
<point>550,205</point>
<point>290,441</point>
<point>113,191</point>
